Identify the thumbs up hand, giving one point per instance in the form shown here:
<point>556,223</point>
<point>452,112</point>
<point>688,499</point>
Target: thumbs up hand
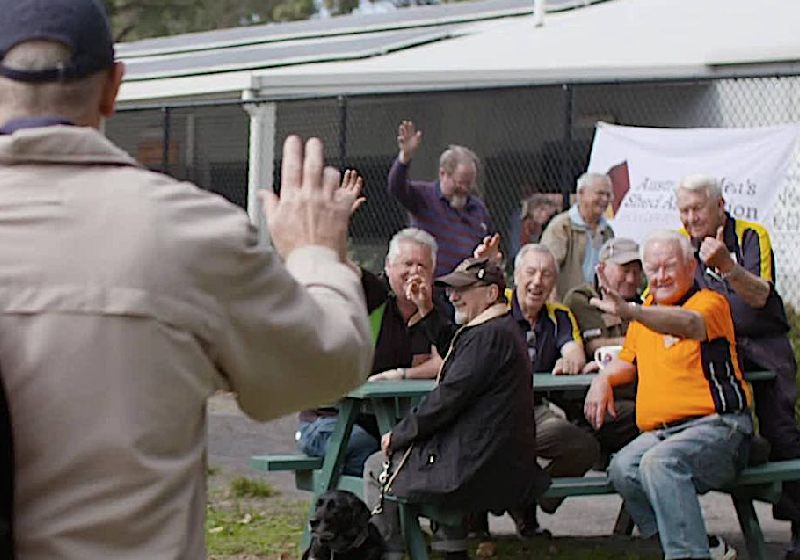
<point>715,254</point>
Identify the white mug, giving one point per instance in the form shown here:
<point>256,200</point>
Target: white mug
<point>605,354</point>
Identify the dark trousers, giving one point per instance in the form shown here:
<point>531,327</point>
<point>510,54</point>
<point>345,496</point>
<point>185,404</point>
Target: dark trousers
<point>775,408</point>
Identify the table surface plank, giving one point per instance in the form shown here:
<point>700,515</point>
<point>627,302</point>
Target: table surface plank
<point>408,388</point>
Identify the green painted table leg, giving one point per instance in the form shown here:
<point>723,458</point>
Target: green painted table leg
<point>748,521</point>
<point>412,533</point>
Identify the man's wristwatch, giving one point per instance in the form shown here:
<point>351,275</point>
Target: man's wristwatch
<point>402,371</point>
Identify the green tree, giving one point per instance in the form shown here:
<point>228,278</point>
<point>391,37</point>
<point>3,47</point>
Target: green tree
<point>140,19</point>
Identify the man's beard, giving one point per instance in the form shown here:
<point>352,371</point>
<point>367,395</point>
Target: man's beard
<point>460,319</point>
<point>458,201</point>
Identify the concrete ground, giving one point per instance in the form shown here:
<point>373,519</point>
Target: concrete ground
<point>233,438</point>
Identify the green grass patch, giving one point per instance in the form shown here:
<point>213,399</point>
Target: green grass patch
<point>243,487</point>
<point>271,530</point>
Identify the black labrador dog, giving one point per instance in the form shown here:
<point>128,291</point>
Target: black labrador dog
<point>340,529</point>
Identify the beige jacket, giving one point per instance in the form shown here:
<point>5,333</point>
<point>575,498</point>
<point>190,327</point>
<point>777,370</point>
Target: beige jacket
<point>567,240</point>
<point>126,299</point>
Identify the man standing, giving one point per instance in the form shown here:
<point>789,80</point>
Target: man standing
<point>620,267</point>
<point>128,298</point>
<point>575,236</point>
<point>469,445</point>
<point>692,403</point>
<point>399,353</point>
<point>735,259</point>
<point>447,208</point>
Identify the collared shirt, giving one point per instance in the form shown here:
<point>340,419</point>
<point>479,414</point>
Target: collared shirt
<point>592,254</point>
<point>750,246</point>
<point>9,127</point>
<point>681,378</point>
<point>555,326</point>
<point>593,322</point>
<point>457,232</point>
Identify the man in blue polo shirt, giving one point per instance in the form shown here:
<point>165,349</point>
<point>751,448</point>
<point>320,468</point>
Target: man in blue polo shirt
<point>446,208</point>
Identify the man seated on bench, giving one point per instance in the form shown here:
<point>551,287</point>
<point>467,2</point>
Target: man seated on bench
<point>692,404</point>
<point>469,445</point>
<point>399,354</point>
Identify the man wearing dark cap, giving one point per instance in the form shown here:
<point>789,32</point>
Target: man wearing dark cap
<point>128,298</point>
<point>469,445</point>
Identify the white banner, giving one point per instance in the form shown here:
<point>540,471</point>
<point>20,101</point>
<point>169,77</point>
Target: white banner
<point>645,165</point>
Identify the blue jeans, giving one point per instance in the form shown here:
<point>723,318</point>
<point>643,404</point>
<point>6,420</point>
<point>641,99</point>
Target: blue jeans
<point>313,437</point>
<point>660,473</point>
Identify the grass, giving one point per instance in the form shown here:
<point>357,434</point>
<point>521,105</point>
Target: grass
<point>247,519</point>
<point>243,487</point>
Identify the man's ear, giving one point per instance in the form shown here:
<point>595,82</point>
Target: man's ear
<point>111,85</point>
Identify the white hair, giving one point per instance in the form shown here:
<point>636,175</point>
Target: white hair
<point>533,248</point>
<point>455,155</point>
<point>412,235</point>
<point>590,177</point>
<point>699,182</point>
<point>671,236</point>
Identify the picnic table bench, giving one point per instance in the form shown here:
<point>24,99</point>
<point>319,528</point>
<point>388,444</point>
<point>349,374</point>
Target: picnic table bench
<point>389,400</point>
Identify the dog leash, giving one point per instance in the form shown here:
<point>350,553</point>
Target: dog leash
<point>387,476</point>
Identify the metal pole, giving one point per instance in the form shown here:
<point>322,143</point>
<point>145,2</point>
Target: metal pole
<point>538,12</point>
<point>166,111</point>
<point>566,180</point>
<point>342,132</point>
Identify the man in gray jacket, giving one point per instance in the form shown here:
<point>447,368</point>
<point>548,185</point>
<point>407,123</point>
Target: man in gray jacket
<point>127,298</point>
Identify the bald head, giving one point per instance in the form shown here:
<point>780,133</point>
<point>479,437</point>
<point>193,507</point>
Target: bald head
<point>84,101</point>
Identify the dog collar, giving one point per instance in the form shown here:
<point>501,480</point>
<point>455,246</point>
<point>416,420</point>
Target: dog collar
<point>359,540</point>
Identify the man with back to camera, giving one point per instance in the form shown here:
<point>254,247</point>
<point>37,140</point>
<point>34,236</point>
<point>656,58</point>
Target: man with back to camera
<point>735,258</point>
<point>128,298</point>
<point>692,403</point>
<point>447,208</point>
<point>576,235</point>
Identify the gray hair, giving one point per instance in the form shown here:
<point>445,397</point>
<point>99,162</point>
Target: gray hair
<point>412,235</point>
<point>699,182</point>
<point>533,248</point>
<point>674,237</point>
<point>455,155</point>
<point>73,100</point>
<point>590,177</point>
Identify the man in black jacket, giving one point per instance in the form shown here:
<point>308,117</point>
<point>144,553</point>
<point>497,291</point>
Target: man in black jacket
<point>447,450</point>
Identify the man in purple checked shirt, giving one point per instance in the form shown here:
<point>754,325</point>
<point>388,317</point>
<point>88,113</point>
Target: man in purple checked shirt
<point>447,208</point>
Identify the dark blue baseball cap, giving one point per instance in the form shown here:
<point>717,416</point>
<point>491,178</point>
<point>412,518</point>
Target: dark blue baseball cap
<point>81,25</point>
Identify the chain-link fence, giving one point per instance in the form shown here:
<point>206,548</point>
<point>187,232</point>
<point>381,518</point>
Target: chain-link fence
<point>530,139</point>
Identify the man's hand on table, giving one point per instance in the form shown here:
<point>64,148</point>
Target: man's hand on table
<point>386,443</point>
<point>567,365</point>
<point>395,374</point>
<point>599,400</point>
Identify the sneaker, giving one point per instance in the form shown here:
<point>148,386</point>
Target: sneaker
<point>720,550</point>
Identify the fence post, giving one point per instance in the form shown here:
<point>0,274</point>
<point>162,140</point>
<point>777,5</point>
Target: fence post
<point>165,140</point>
<point>566,180</point>
<point>342,132</point>
<point>261,157</point>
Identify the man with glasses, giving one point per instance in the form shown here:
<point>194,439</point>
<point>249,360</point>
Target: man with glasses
<point>469,445</point>
<point>575,236</point>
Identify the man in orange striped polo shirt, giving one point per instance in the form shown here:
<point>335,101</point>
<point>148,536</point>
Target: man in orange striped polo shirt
<point>692,404</point>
